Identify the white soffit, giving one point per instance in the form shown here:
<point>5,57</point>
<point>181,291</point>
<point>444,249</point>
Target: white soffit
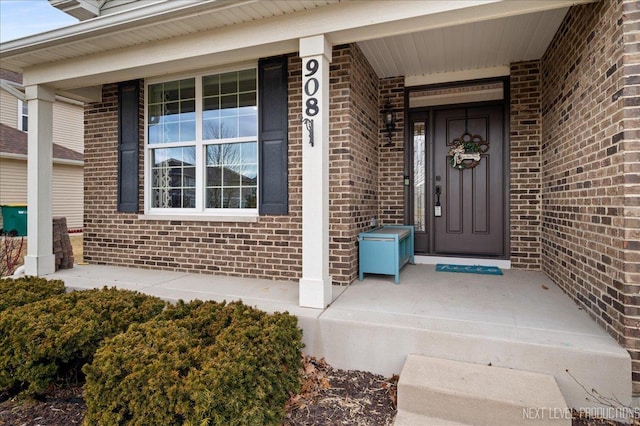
<point>475,50</point>
<point>410,38</point>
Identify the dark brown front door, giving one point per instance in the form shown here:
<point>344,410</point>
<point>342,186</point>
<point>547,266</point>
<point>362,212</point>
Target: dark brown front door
<point>471,220</point>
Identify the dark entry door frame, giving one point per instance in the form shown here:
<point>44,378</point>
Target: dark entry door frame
<point>425,240</point>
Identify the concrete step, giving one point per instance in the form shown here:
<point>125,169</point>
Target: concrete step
<point>478,394</point>
<point>407,418</point>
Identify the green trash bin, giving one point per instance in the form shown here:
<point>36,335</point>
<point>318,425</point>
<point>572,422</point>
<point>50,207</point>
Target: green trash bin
<point>14,220</point>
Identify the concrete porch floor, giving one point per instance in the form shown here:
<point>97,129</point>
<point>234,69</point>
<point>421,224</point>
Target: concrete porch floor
<point>519,320</point>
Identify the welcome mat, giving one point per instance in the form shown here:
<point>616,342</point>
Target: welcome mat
<point>469,269</point>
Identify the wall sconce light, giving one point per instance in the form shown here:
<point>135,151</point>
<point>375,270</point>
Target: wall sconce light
<point>389,122</point>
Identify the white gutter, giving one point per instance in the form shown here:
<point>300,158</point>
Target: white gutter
<point>145,14</point>
<point>11,156</point>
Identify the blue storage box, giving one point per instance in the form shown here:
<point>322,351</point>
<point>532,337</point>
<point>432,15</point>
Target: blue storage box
<point>385,250</point>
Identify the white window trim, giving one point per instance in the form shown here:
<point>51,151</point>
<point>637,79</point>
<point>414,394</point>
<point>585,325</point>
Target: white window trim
<point>20,115</point>
<point>199,213</point>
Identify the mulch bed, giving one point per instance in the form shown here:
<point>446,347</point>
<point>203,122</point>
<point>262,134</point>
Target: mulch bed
<point>328,397</point>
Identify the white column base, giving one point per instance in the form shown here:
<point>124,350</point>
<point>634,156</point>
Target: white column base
<point>315,293</point>
<point>39,265</point>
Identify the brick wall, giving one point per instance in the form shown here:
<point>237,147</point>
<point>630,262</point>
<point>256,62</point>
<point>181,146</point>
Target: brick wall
<point>628,286</point>
<point>272,247</point>
<point>353,157</point>
<point>391,169</point>
<point>589,161</point>
<point>524,175</point>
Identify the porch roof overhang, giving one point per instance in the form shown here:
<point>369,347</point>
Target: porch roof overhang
<point>410,38</point>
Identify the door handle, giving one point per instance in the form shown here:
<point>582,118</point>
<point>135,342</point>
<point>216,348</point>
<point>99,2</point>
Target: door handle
<point>437,210</point>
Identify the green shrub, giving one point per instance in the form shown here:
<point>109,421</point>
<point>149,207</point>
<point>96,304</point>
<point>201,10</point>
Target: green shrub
<point>201,363</point>
<point>23,290</point>
<point>53,338</point>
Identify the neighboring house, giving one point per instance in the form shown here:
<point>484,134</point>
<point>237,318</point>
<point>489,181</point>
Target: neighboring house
<point>541,96</point>
<point>68,137</point>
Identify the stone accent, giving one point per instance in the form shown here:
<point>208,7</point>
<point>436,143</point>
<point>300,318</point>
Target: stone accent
<point>62,248</point>
<point>524,174</point>
<point>590,165</point>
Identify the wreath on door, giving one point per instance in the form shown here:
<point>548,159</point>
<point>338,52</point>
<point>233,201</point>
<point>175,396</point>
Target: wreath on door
<point>466,151</point>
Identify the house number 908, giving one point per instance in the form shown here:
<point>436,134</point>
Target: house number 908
<point>311,87</point>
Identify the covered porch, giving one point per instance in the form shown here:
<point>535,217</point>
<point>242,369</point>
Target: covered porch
<point>519,320</point>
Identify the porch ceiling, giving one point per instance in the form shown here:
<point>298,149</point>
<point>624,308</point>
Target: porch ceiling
<point>478,45</point>
<point>410,38</point>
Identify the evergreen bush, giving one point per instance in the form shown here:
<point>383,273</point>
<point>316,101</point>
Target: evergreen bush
<point>27,289</point>
<point>198,363</point>
<point>52,338</point>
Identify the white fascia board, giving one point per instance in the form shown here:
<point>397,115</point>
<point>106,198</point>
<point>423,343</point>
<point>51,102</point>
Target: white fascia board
<point>147,13</point>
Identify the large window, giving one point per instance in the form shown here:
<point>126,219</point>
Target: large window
<point>202,143</point>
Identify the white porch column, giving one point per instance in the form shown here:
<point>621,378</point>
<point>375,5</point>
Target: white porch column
<point>40,259</point>
<point>315,284</point>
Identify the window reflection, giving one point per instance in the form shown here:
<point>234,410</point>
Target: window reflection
<point>419,173</point>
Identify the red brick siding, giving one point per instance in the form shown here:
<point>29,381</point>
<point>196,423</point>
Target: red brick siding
<point>525,178</point>
<point>590,151</point>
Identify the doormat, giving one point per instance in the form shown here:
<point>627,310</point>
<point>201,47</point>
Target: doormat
<point>469,269</point>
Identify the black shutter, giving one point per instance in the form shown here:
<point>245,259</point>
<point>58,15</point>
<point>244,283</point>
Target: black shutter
<point>128,143</point>
<point>272,135</point>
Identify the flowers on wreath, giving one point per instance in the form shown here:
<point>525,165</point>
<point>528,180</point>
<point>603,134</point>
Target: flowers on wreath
<point>465,152</point>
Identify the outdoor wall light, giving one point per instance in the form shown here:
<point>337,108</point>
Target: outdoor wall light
<point>389,122</point>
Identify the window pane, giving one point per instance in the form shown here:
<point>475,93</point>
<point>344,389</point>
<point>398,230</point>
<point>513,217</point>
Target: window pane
<point>231,198</point>
<point>173,177</point>
<point>211,85</point>
<point>229,104</point>
<point>229,83</point>
<point>419,203</point>
<point>173,103</point>
<point>232,176</point>
<point>229,128</point>
<point>214,198</point>
<point>249,198</point>
<point>232,173</point>
<point>211,129</point>
<point>248,125</point>
<point>214,176</point>
<point>249,175</point>
<point>247,80</point>
<point>236,103</point>
<point>247,100</point>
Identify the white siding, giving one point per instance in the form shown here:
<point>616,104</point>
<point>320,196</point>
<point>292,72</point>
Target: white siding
<point>68,194</point>
<point>68,126</point>
<point>8,110</point>
<point>113,6</point>
<point>13,182</point>
<point>68,187</point>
